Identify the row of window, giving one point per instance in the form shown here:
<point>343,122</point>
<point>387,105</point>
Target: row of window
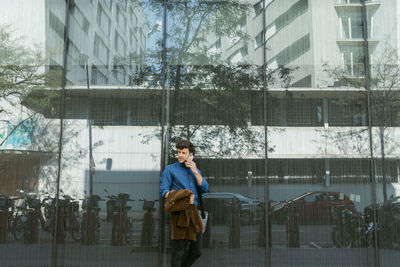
<point>280,22</point>
<point>295,170</point>
<point>290,53</point>
<point>220,108</point>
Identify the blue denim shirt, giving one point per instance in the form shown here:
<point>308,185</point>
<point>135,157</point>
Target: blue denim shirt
<point>177,176</point>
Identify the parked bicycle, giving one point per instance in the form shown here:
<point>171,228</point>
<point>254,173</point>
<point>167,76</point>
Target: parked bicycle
<point>71,219</point>
<point>110,204</point>
<point>91,220</point>
<point>148,222</point>
<point>122,226</point>
<point>351,229</point>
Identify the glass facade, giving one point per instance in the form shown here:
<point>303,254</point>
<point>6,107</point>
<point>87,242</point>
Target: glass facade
<point>293,108</point>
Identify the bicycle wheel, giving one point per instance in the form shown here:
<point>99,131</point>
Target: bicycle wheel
<point>114,231</point>
<point>76,232</point>
<point>128,231</point>
<point>18,228</point>
<point>97,231</point>
<point>341,239</point>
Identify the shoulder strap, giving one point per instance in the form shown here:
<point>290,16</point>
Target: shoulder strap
<point>199,194</point>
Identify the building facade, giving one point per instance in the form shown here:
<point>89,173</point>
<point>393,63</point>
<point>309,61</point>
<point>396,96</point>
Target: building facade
<point>284,100</point>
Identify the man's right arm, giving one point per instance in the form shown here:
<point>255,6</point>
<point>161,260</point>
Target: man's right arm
<point>165,183</point>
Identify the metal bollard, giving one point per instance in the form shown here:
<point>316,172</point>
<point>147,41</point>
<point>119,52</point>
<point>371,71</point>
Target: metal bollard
<point>3,225</point>
<point>207,233</point>
<point>117,229</point>
<point>262,227</point>
<point>293,230</point>
<point>88,228</point>
<point>31,229</point>
<point>234,231</point>
<point>147,229</point>
<point>60,227</point>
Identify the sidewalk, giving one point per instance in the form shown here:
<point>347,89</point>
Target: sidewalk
<point>74,255</point>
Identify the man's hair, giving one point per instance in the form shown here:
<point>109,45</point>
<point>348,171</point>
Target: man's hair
<point>185,144</point>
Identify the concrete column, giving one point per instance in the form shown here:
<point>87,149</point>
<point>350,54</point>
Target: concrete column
<point>325,112</point>
<point>327,173</point>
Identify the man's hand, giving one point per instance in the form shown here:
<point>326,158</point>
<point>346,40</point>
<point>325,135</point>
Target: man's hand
<point>191,199</point>
<point>191,164</point>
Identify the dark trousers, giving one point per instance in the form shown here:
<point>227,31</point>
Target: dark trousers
<point>184,254</point>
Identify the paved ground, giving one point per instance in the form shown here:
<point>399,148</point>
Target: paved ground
<point>78,255</point>
<point>316,250</point>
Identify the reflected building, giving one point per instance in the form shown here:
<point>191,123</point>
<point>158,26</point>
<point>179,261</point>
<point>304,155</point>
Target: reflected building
<point>110,36</point>
<point>309,120</point>
<point>318,120</point>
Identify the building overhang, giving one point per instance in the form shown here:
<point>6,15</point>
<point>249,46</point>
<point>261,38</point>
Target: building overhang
<point>13,154</point>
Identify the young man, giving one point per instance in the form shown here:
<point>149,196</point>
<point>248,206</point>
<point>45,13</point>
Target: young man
<point>184,175</point>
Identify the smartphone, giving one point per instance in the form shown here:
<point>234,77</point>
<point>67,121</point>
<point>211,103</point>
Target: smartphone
<point>191,157</point>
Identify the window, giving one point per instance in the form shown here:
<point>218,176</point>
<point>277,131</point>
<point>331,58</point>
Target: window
<point>76,55</point>
<point>240,28</point>
<point>303,82</point>
<point>103,20</point>
<point>98,77</point>
<point>239,56</point>
<point>109,3</point>
<point>347,112</point>
<point>292,52</point>
<point>100,50</point>
<point>215,48</point>
<point>352,26</point>
<point>313,198</point>
<point>80,18</point>
<point>258,40</point>
<point>118,16</point>
<point>258,8</point>
<point>353,61</point>
<point>302,112</point>
<point>56,24</point>
<point>119,44</point>
<point>283,20</point>
<point>351,1</point>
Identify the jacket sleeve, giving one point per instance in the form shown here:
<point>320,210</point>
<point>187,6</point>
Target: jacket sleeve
<point>165,182</point>
<point>177,205</point>
<point>204,185</point>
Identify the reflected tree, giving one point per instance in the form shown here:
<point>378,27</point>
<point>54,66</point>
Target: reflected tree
<point>385,100</point>
<point>210,97</point>
<point>22,70</point>
<point>25,91</point>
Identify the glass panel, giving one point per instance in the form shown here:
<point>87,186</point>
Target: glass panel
<point>319,158</point>
<point>111,142</point>
<point>215,91</point>
<point>385,117</point>
<point>118,133</point>
<point>30,79</point>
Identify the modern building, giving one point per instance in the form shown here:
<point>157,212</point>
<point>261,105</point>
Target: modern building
<point>110,36</point>
<point>318,120</point>
<point>316,134</point>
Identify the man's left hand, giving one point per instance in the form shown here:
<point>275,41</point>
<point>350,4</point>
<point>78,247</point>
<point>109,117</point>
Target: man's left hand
<point>192,165</point>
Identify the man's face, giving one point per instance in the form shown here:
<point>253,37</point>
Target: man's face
<point>183,155</point>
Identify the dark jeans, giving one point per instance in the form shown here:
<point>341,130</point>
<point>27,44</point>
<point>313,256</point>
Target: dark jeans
<point>183,256</point>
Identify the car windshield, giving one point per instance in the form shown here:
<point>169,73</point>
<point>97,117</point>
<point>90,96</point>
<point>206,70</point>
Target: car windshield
<point>243,198</point>
<point>396,200</point>
<point>301,196</point>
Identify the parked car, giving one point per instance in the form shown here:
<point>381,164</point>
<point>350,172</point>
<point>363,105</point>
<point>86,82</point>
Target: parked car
<point>392,207</point>
<point>316,207</point>
<point>222,204</point>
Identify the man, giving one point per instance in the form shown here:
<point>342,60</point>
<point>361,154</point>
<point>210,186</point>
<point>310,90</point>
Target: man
<point>184,175</point>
